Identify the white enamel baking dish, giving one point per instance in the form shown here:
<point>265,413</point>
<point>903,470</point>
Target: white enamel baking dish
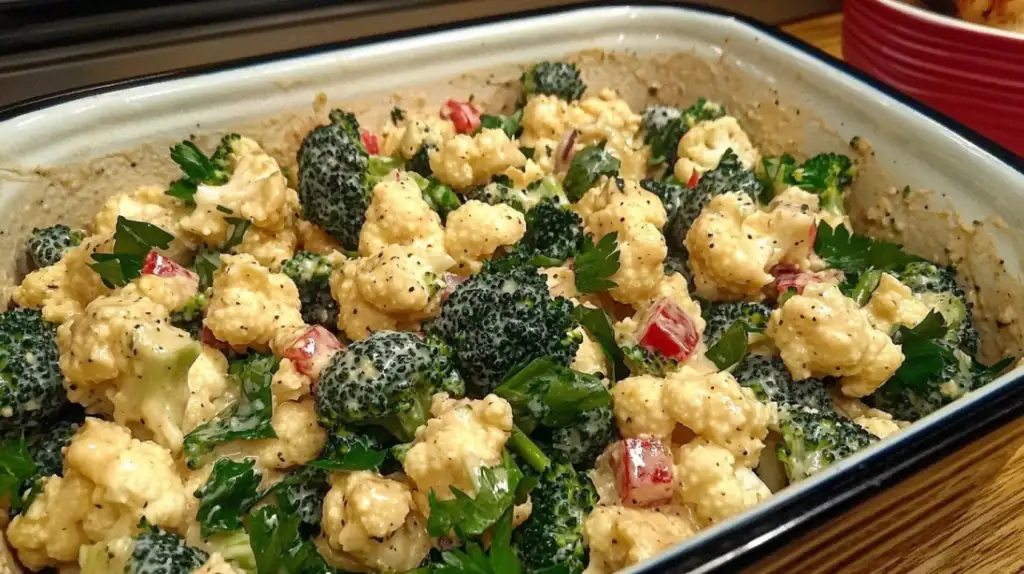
<point>790,97</point>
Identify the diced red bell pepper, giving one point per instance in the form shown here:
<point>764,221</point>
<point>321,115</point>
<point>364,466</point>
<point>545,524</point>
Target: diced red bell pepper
<point>370,141</point>
<point>311,351</point>
<point>812,235</point>
<point>465,117</point>
<point>789,277</point>
<point>156,264</point>
<point>667,329</point>
<point>694,178</point>
<point>644,471</point>
<point>208,339</point>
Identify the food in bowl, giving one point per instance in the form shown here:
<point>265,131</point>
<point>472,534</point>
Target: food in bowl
<point>1004,14</point>
<point>569,336</point>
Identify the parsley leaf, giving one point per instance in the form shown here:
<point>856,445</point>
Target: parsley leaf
<point>587,166</point>
<point>205,264</point>
<point>509,124</point>
<point>198,168</point>
<point>853,254</point>
<point>470,516</point>
<point>546,393</point>
<point>133,240</point>
<point>730,348</point>
<point>194,163</point>
<point>302,492</point>
<point>348,450</point>
<point>599,326</point>
<point>16,468</point>
<point>775,174</point>
<point>248,419</point>
<point>278,546</point>
<point>594,264</point>
<point>500,558</point>
<point>925,356</point>
<point>238,228</point>
<point>230,491</point>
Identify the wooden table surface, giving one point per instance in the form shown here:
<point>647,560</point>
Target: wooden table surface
<point>962,514</point>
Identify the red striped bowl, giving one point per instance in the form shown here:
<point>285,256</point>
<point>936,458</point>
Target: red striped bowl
<point>970,72</point>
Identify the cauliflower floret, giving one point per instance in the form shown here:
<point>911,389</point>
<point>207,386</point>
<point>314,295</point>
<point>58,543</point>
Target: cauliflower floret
<point>111,481</point>
<point>257,191</point>
<point>369,523</point>
<point>893,304</point>
<point>398,215</point>
<point>640,408</point>
<point>590,358</point>
<point>288,384</point>
<point>822,333</point>
<point>271,247</point>
<point>408,136</point>
<point>464,161</point>
<point>713,484</point>
<point>637,215</point>
<point>299,437</point>
<point>716,408</point>
<point>561,281</point>
<point>392,289</point>
<point>149,203</point>
<point>250,304</point>
<point>704,144</point>
<point>171,292</point>
<point>463,436</point>
<point>209,387</point>
<point>122,357</point>
<point>62,290</point>
<point>602,118</point>
<point>732,244</point>
<point>619,537</point>
<point>314,239</point>
<point>216,564</point>
<point>875,421</point>
<point>476,230</point>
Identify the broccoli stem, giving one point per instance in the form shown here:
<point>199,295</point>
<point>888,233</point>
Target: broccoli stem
<point>528,450</point>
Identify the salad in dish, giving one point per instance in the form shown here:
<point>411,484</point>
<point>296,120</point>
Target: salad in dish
<point>561,337</point>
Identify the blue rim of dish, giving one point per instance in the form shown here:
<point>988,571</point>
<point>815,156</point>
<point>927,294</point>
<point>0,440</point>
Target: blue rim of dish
<point>742,542</point>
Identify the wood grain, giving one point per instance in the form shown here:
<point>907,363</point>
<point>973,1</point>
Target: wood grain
<point>962,514</point>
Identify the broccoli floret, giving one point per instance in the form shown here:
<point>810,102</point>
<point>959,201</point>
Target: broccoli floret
<point>190,316</point>
<point>919,398</point>
<point>499,192</point>
<point>235,548</point>
<point>683,204</point>
<point>812,440</point>
<point>580,443</point>
<point>553,535</point>
<point>420,161</point>
<point>162,358</point>
<point>770,380</point>
<point>560,79</point>
<point>826,174</point>
<point>657,118</point>
<point>152,552</point>
<point>311,273</point>
<point>665,126</point>
<point>336,175</point>
<point>936,286</point>
<point>719,316</point>
<point>643,361</point>
<point>553,233</point>
<point>386,380</point>
<point>31,382</point>
<point>41,457</point>
<point>504,317</point>
<point>47,245</point>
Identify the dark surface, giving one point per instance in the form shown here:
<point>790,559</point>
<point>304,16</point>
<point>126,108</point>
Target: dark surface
<point>741,543</point>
